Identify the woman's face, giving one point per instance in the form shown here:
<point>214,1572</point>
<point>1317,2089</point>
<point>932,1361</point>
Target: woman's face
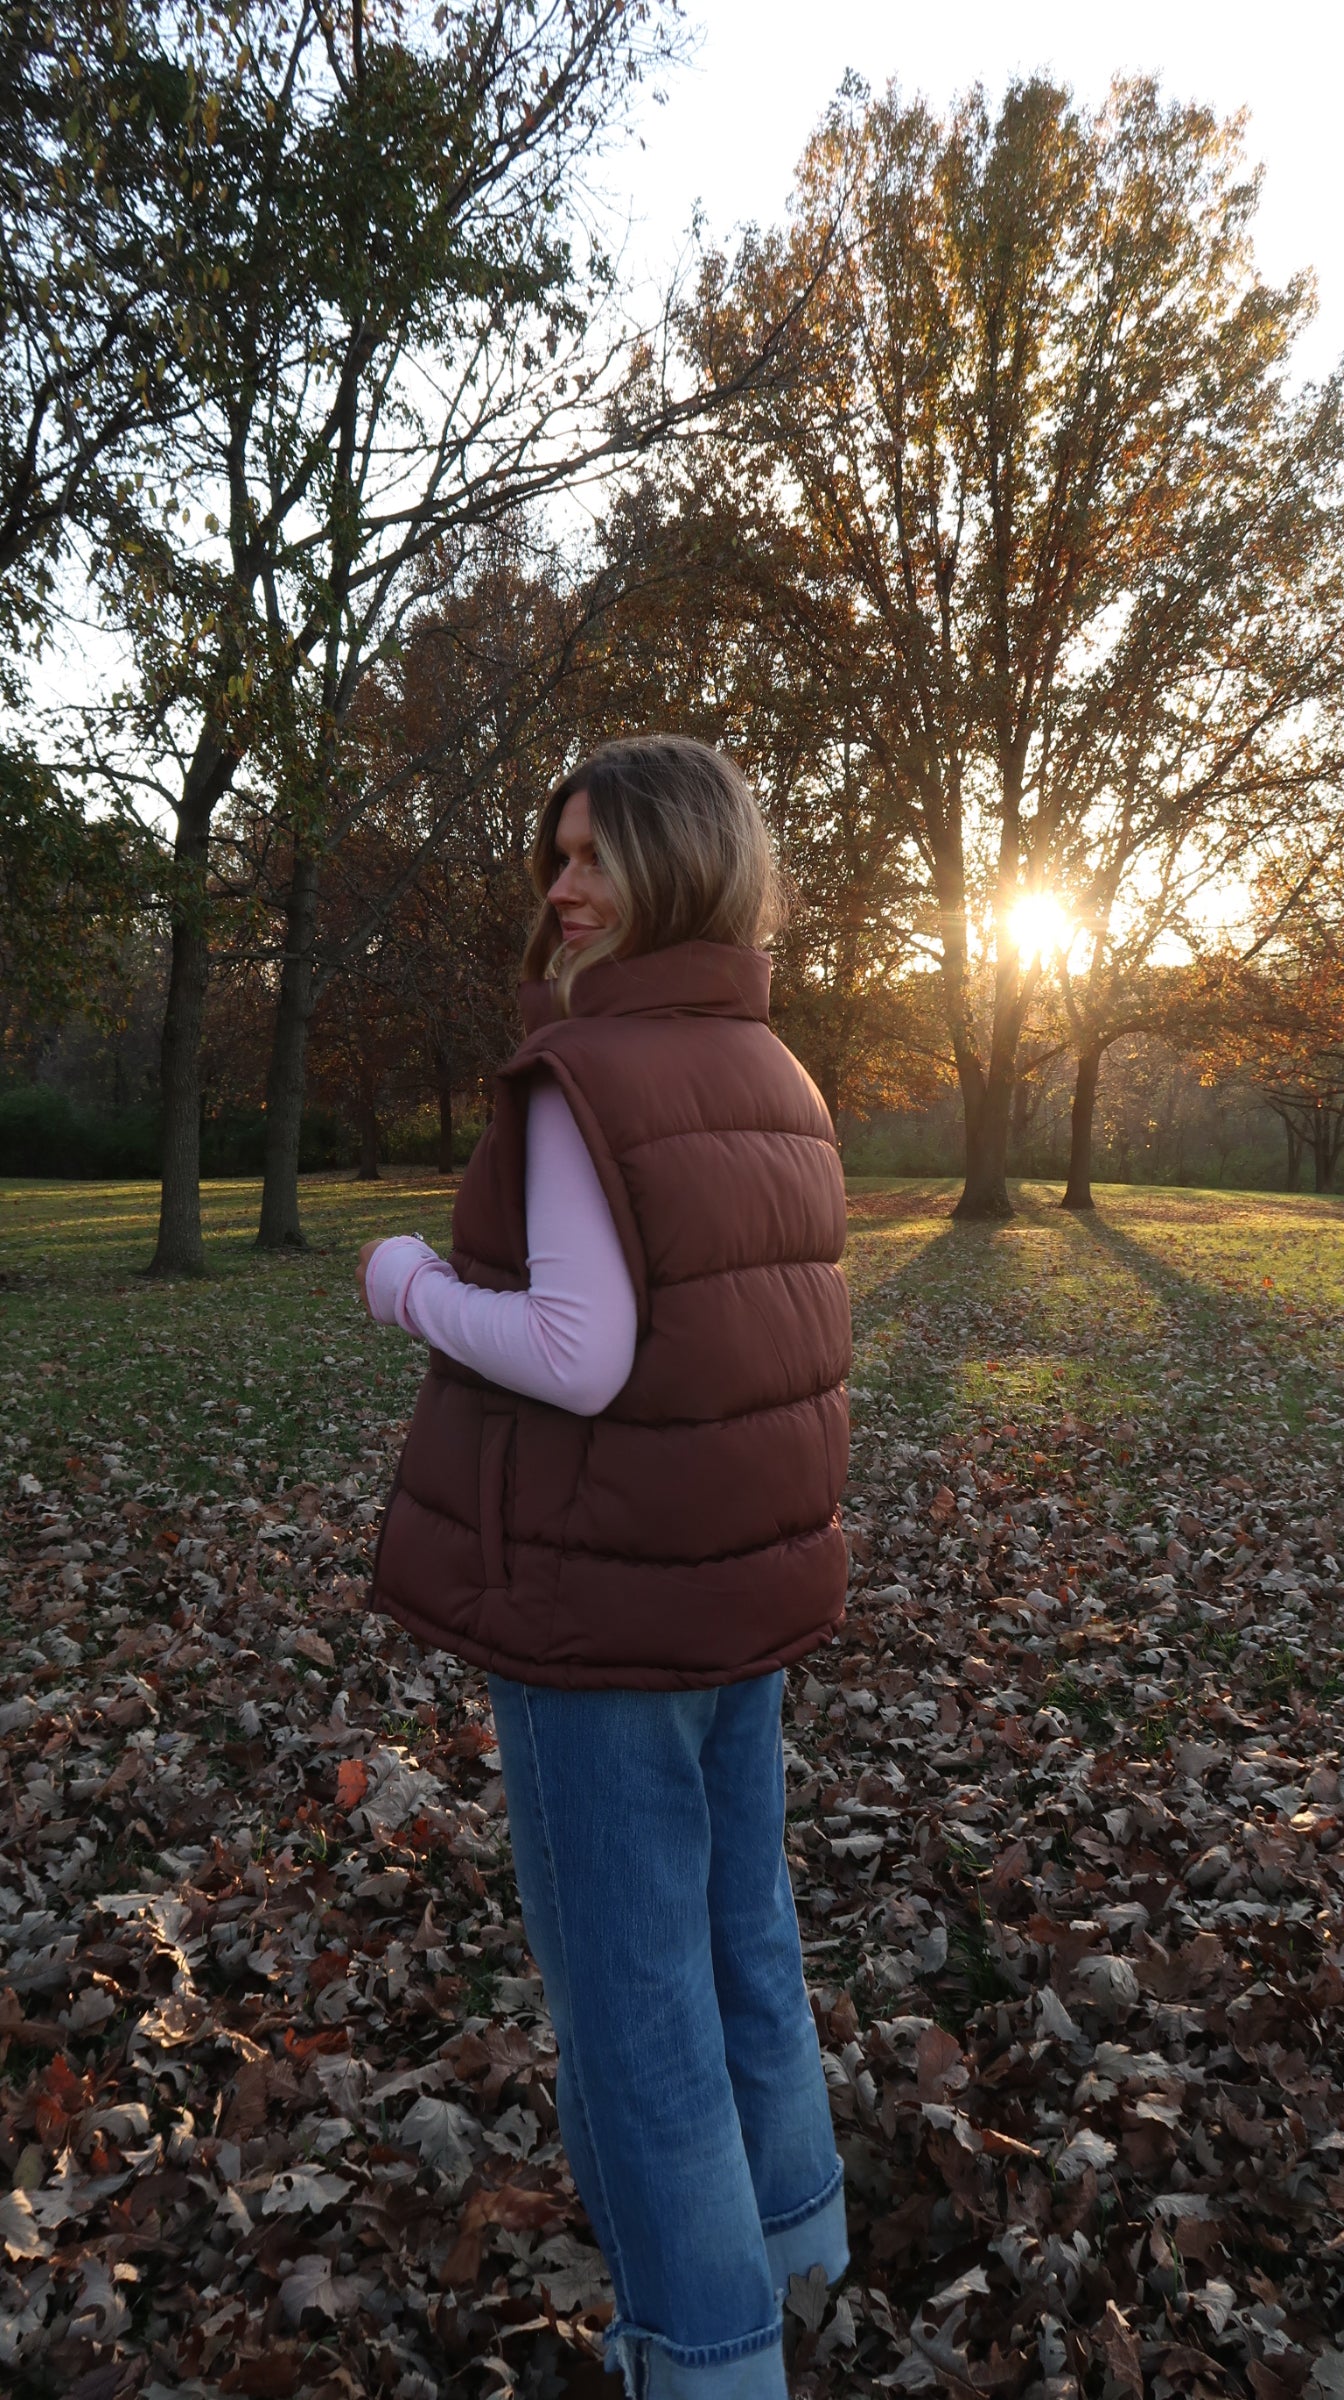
<point>581,895</point>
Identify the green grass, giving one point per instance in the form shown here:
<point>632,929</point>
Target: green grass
<point>1066,1693</point>
<point>264,1370</point>
<point>1213,1314</point>
<point>1216,1315</point>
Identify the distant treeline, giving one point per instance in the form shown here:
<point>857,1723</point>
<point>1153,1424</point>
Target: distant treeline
<point>1157,1123</point>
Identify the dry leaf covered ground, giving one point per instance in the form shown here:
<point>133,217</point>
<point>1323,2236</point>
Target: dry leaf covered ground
<point>1066,1824</point>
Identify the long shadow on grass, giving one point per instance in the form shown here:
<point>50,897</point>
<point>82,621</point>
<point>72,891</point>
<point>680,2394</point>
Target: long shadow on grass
<point>1052,1311</point>
<point>1220,1316</point>
<point>1173,1284</point>
<point>966,1286</point>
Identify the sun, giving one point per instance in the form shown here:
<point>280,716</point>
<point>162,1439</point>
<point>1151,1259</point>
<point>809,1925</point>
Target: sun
<point>1039,927</point>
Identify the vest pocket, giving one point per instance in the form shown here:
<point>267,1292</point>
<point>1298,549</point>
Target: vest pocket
<point>497,1440</point>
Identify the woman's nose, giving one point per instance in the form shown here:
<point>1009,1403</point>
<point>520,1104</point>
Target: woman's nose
<point>563,887</point>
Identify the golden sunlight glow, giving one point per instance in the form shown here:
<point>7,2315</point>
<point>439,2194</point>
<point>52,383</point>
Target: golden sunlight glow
<point>1040,928</point>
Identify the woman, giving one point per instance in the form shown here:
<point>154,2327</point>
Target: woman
<point>619,1496</point>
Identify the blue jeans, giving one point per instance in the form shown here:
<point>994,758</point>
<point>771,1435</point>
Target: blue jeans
<point>648,1836</point>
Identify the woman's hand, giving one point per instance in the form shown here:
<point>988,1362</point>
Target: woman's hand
<point>361,1272</point>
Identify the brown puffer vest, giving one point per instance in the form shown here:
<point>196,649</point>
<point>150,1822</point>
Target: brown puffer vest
<point>689,1534</point>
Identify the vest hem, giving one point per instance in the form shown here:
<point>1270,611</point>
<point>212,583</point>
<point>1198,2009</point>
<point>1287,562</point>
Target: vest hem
<point>584,1675</point>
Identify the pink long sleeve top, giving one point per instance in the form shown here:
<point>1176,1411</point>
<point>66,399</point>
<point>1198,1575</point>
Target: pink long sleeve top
<point>570,1337</point>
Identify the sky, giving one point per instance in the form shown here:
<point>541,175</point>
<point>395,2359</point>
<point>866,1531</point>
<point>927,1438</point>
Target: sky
<point>736,118</point>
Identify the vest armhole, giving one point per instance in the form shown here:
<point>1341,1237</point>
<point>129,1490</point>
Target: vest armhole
<point>544,1062</point>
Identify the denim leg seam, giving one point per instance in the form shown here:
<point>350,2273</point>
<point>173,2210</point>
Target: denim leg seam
<point>614,2262</point>
<point>809,2208</point>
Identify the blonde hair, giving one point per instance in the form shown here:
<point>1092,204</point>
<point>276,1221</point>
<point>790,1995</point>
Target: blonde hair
<point>683,844</point>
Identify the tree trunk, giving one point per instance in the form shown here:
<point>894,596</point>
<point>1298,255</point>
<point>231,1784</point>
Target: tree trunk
<point>988,1101</point>
<point>443,1085</point>
<point>179,1249</point>
<point>1294,1154</point>
<point>370,1142</point>
<point>279,1228</point>
<point>1322,1152</point>
<point>1021,1125</point>
<point>1078,1190</point>
<point>986,1090</point>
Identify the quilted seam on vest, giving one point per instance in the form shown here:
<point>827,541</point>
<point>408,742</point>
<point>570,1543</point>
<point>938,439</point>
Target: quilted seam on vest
<point>689,1535</point>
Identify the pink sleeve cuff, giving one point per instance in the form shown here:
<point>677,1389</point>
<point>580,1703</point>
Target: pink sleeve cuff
<point>387,1278</point>
<point>569,1338</point>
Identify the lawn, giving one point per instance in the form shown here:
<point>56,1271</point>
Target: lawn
<point>265,1370</point>
<point>1065,1829</point>
<point>1218,1311</point>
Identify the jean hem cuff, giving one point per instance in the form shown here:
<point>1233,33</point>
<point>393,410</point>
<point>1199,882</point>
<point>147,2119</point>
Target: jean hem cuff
<point>809,2208</point>
<point>819,2241</point>
<point>700,2354</point>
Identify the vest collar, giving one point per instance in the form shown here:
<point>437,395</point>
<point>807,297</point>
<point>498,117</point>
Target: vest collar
<point>701,979</point>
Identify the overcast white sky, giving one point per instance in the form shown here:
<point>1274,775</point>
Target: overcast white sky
<point>737,117</point>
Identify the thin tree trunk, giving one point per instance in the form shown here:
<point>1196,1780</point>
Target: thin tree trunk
<point>1017,1143</point>
<point>1321,1152</point>
<point>1078,1190</point>
<point>179,1249</point>
<point>443,1085</point>
<point>1294,1154</point>
<point>279,1228</point>
<point>370,1142</point>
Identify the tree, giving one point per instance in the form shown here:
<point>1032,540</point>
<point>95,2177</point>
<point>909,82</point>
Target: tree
<point>448,748</point>
<point>480,524</point>
<point>69,893</point>
<point>425,897</point>
<point>714,628</point>
<point>1038,348</point>
<point>424,1006</point>
<point>1287,1046</point>
<point>430,892</point>
<point>1225,735</point>
<point>385,285</point>
<point>98,125</point>
<point>1274,1015</point>
<point>361,1047</point>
